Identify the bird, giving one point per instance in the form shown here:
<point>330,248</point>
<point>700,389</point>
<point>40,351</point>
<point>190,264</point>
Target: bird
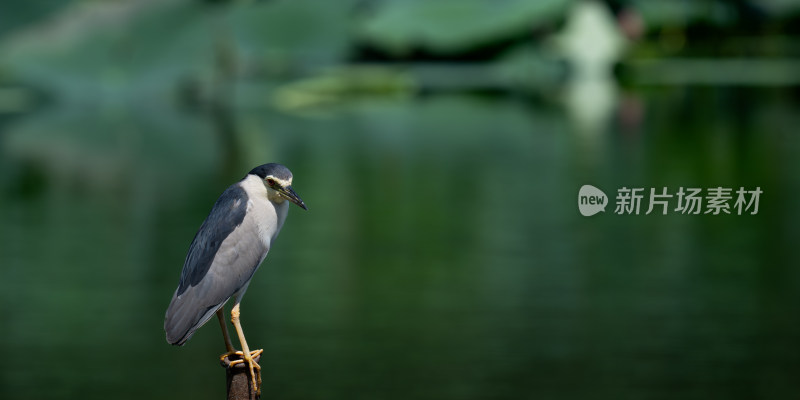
<point>225,253</point>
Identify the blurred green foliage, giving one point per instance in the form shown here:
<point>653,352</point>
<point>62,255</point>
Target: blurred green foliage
<point>452,26</point>
<point>91,48</point>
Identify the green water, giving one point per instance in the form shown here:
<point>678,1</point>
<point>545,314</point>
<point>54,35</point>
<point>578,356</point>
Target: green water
<point>442,256</point>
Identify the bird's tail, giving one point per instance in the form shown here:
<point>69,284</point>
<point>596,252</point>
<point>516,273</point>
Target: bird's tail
<point>184,316</point>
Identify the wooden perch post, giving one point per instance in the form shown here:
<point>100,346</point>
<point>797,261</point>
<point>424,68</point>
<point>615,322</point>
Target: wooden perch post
<point>237,378</point>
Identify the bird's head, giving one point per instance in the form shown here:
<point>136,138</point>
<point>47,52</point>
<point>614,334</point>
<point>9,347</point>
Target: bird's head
<point>278,181</point>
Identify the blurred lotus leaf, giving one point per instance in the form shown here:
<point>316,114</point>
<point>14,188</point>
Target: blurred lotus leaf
<point>90,49</point>
<point>448,26</point>
<point>291,34</point>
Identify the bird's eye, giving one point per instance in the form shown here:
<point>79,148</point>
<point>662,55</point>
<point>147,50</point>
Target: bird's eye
<point>270,182</point>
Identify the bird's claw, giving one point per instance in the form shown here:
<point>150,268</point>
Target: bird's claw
<point>251,363</point>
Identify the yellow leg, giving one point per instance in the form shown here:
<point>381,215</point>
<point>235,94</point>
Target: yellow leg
<point>228,344</point>
<point>246,354</point>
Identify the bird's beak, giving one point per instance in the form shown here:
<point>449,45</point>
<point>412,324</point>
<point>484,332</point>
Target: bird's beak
<point>290,195</point>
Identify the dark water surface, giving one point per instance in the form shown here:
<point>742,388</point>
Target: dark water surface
<point>442,256</point>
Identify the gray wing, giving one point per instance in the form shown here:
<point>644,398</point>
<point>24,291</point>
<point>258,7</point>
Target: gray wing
<point>222,258</point>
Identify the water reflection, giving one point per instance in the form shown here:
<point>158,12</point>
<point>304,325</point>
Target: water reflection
<point>443,256</point>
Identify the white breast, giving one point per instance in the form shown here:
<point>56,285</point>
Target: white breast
<point>268,217</point>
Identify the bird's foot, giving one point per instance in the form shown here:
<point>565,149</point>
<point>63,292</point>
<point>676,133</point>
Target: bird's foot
<point>255,369</point>
<point>239,355</point>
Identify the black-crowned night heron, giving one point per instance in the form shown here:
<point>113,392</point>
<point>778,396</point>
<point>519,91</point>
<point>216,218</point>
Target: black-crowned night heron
<point>226,252</point>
